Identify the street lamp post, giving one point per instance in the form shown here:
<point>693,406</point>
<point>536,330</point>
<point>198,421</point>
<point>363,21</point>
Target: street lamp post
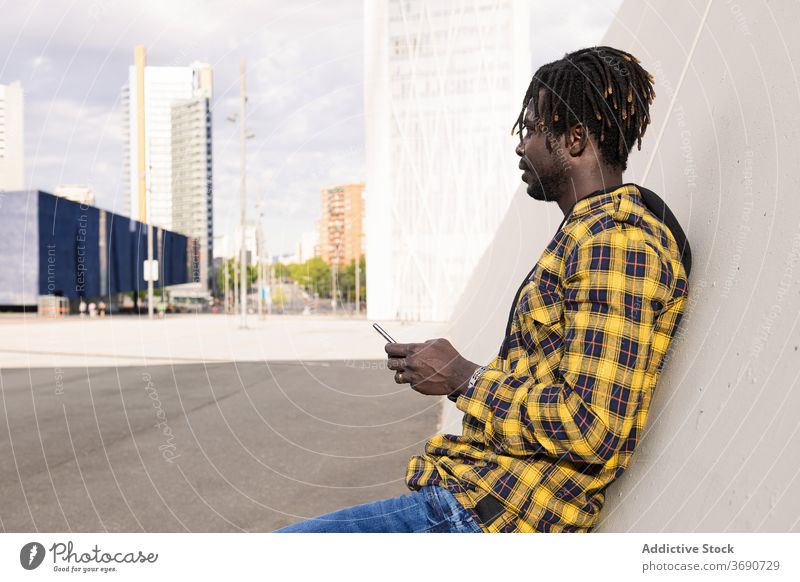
<point>140,62</point>
<point>243,194</point>
<point>236,282</point>
<point>244,135</point>
<point>260,263</point>
<point>271,287</point>
<point>334,276</point>
<point>358,274</point>
<point>227,295</point>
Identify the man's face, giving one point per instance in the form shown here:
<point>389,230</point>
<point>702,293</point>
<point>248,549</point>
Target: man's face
<point>543,171</point>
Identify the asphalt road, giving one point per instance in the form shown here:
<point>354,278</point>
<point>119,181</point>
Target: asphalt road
<point>202,448</point>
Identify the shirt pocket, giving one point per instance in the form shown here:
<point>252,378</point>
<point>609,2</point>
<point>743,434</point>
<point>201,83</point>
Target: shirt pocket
<point>540,323</point>
<point>541,304</point>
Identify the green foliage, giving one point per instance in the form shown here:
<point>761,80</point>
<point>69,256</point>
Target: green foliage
<point>279,297</point>
<point>252,275</point>
<point>347,281</point>
<point>157,292</point>
<point>314,276</point>
<point>232,266</point>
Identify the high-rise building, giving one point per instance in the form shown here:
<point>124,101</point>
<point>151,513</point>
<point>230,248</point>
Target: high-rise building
<point>12,143</point>
<point>80,193</point>
<point>229,245</point>
<point>192,204</point>
<point>308,246</point>
<point>178,160</point>
<point>340,225</point>
<point>444,82</point>
<point>164,86</point>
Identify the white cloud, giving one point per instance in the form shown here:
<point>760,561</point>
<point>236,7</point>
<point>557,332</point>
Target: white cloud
<point>304,63</point>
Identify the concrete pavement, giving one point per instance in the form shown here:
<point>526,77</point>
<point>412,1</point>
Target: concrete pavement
<point>192,423</point>
<point>28,341</point>
<point>202,447</point>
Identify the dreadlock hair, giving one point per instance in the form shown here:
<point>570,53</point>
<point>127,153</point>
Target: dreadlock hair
<point>603,88</point>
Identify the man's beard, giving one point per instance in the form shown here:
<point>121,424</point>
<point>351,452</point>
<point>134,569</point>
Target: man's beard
<point>546,188</point>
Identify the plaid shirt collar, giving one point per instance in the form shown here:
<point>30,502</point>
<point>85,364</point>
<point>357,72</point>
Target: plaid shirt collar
<point>626,199</point>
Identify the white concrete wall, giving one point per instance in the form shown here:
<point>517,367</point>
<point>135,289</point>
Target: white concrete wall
<point>720,449</point>
<point>443,80</point>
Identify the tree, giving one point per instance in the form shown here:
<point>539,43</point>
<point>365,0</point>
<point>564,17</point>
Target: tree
<point>347,281</point>
<point>318,275</point>
<point>281,272</point>
<point>314,275</point>
<point>252,274</point>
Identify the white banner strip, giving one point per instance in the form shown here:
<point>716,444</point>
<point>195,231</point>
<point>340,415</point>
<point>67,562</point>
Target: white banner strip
<point>269,556</point>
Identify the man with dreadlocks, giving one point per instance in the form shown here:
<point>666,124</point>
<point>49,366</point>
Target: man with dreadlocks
<point>554,418</point>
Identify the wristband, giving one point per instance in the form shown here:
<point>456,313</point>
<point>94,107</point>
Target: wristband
<point>474,377</point>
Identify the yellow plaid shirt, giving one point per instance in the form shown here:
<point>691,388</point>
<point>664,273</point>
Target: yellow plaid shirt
<point>548,427</point>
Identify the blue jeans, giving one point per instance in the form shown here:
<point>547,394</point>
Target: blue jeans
<point>431,509</point>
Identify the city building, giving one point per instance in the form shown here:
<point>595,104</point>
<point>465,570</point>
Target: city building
<point>229,245</point>
<point>444,82</point>
<point>57,247</point>
<point>308,246</point>
<point>341,224</point>
<point>12,143</point>
<point>82,194</point>
<point>164,87</point>
<point>192,184</point>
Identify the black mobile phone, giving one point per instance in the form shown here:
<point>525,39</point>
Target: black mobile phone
<point>381,331</point>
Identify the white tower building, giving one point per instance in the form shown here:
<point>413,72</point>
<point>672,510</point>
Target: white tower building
<point>307,246</point>
<point>164,87</point>
<point>177,105</point>
<point>444,83</point>
<point>12,144</point>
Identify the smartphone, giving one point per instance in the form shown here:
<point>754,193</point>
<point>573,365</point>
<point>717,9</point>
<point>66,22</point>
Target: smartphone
<point>381,331</point>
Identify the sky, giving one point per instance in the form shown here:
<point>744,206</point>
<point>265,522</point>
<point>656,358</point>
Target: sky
<point>305,76</point>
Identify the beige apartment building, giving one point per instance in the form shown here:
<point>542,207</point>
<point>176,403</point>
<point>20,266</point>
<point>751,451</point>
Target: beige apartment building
<point>341,224</point>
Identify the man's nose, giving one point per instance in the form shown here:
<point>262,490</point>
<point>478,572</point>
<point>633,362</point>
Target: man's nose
<point>519,149</point>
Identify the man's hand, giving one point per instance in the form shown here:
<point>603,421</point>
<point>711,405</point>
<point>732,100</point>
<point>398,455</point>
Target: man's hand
<point>434,368</point>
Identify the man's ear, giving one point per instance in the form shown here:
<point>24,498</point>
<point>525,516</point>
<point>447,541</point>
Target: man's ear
<point>575,139</point>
